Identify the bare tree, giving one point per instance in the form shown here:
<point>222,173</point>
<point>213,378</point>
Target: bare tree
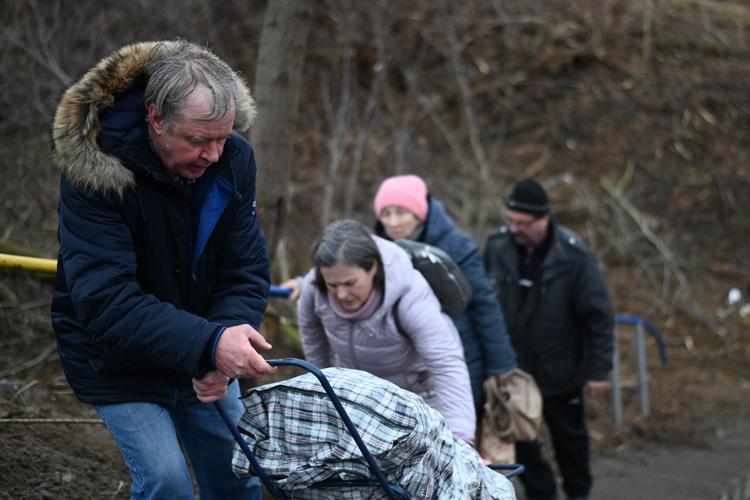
<point>277,89</point>
<point>337,116</point>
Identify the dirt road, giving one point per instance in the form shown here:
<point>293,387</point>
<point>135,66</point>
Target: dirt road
<point>690,473</point>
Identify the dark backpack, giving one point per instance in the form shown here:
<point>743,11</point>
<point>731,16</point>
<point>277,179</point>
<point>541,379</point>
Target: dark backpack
<point>446,279</point>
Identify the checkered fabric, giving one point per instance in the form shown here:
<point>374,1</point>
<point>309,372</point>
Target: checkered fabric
<point>299,438</point>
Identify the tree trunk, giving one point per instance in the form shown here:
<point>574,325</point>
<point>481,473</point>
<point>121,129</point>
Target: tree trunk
<point>277,89</point>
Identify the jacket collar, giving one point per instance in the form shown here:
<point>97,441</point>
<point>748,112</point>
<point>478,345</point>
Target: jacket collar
<point>438,223</point>
<point>556,257</point>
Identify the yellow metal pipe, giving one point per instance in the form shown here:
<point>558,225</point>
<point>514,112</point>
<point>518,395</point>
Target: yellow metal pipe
<point>19,262</point>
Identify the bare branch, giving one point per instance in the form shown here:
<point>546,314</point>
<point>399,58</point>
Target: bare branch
<point>49,350</point>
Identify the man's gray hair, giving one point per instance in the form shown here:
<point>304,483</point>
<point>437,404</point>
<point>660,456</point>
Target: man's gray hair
<point>181,68</point>
<point>347,243</point>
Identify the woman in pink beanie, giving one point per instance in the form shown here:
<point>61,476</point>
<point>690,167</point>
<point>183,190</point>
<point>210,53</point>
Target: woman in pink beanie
<point>401,205</point>
<point>405,210</point>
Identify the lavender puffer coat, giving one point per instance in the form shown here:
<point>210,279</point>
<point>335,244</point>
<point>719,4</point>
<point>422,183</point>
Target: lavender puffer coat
<point>428,361</point>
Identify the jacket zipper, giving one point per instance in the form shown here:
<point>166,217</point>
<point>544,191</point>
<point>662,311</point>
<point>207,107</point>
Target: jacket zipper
<point>352,350</point>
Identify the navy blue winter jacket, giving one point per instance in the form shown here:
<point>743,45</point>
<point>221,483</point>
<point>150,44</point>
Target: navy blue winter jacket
<point>150,269</point>
<point>487,348</point>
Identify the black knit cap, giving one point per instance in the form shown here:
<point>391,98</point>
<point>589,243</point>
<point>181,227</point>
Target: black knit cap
<point>528,196</point>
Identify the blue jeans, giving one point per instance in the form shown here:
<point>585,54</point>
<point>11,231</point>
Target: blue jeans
<point>149,437</point>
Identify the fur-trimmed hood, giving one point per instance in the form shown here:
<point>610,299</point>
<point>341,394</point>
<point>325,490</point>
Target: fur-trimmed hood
<point>77,120</point>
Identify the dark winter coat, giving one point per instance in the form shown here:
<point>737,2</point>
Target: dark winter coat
<point>481,327</point>
<point>566,336</point>
<point>150,269</point>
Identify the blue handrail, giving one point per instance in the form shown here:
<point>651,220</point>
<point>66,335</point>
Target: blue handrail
<point>277,291</point>
<point>625,319</point>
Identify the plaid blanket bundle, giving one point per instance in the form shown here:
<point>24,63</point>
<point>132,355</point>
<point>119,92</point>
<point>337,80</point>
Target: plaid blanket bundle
<point>300,439</point>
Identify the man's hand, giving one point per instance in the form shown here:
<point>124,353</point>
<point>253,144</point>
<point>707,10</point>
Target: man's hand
<point>596,387</point>
<point>236,356</point>
<point>504,377</point>
<point>212,387</point>
<point>296,287</point>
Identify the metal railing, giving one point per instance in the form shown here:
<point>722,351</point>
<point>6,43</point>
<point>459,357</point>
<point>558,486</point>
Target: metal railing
<point>640,327</point>
<point>35,264</point>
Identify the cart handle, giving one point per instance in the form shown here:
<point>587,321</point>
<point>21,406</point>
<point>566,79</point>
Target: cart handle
<point>394,491</point>
<point>515,469</point>
<point>259,471</point>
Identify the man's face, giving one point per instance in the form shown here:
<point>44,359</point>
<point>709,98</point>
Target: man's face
<point>527,230</point>
<point>192,143</point>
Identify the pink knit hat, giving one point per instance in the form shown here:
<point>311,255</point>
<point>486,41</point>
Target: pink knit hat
<point>407,191</point>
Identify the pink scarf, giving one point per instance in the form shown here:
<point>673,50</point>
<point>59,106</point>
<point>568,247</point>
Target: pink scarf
<point>365,311</point>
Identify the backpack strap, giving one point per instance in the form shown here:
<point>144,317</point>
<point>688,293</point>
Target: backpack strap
<point>397,320</point>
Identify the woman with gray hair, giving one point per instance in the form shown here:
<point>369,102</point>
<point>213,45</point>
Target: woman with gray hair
<point>346,319</point>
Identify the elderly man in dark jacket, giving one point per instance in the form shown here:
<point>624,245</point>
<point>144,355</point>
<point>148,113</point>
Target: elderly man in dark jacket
<point>163,274</point>
<point>560,320</point>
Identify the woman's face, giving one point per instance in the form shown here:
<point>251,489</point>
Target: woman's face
<point>350,284</point>
<point>399,223</point>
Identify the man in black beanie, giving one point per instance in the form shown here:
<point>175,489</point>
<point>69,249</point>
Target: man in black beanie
<point>560,319</point>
